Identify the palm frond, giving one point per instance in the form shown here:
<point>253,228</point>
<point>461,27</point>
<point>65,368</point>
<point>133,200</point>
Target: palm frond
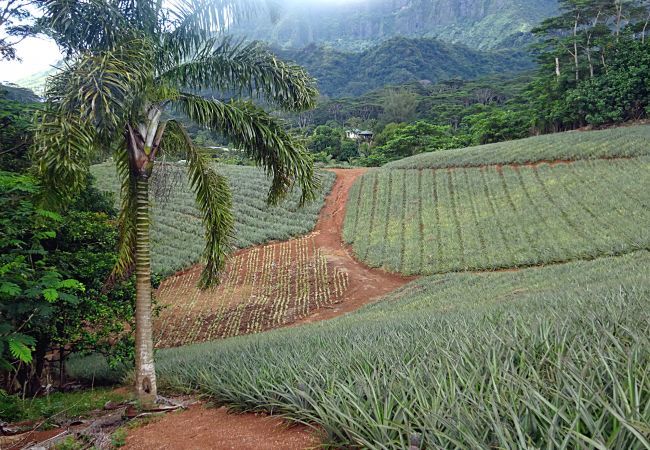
<point>214,200</point>
<point>87,103</point>
<point>102,87</point>
<point>264,139</point>
<point>63,145</point>
<point>231,66</point>
<point>193,22</point>
<point>80,26</point>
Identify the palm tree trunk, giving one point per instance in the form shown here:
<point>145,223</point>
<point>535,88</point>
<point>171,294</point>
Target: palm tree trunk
<point>145,374</point>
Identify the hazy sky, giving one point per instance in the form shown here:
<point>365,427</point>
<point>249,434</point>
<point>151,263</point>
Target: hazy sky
<point>38,54</point>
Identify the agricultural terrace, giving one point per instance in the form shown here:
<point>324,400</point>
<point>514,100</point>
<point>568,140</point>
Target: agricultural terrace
<point>553,356</point>
<point>626,142</point>
<point>177,232</point>
<point>262,288</point>
<point>485,218</point>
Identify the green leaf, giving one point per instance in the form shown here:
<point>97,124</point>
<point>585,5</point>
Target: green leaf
<point>21,346</point>
<point>50,294</point>
<point>11,289</point>
<point>49,215</point>
<point>71,284</point>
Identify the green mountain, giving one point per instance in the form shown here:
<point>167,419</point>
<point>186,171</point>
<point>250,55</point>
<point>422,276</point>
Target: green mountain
<point>16,93</point>
<point>357,24</point>
<point>397,61</point>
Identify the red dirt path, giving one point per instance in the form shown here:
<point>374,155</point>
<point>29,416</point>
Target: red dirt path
<point>200,428</point>
<point>365,284</point>
<point>206,428</point>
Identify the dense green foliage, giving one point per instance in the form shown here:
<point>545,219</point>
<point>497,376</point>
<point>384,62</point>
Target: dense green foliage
<point>16,110</point>
<point>594,65</point>
<point>52,265</point>
<point>362,23</point>
<point>398,141</point>
<point>418,117</point>
<point>397,61</point>
<point>543,357</point>
<point>176,236</point>
<point>52,273</point>
<point>570,146</point>
<point>435,221</point>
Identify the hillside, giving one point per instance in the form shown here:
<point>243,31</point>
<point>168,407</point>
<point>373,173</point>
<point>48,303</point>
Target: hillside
<point>480,24</point>
<point>177,231</point>
<point>18,94</point>
<point>624,142</point>
<point>473,357</point>
<point>481,209</point>
<point>397,61</point>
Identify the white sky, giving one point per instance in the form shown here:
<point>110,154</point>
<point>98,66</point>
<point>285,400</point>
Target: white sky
<point>37,54</point>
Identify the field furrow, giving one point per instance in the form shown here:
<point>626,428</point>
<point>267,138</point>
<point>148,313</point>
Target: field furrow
<point>262,288</point>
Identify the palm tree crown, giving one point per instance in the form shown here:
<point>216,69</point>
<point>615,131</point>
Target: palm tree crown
<point>127,63</point>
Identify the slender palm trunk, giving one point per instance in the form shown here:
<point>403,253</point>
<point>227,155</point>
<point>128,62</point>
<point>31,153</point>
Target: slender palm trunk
<point>145,374</point>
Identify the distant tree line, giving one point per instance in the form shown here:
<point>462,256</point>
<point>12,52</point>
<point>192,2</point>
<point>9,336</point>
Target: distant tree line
<point>593,70</point>
<point>594,65</point>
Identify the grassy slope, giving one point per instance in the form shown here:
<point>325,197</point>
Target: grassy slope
<point>177,232</point>
<point>554,356</point>
<point>613,143</point>
<point>435,221</point>
<point>543,355</point>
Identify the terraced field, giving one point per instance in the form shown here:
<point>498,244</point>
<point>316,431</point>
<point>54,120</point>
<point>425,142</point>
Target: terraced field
<point>266,287</point>
<point>494,217</point>
<point>177,231</point>
<point>548,356</point>
<point>624,142</point>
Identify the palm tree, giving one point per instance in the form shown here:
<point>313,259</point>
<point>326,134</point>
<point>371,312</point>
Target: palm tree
<point>128,64</point>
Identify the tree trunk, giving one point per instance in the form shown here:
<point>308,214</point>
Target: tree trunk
<point>591,64</point>
<point>575,48</point>
<point>145,373</point>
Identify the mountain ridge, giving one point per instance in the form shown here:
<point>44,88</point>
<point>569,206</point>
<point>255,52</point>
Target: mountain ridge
<point>356,25</point>
<point>397,61</point>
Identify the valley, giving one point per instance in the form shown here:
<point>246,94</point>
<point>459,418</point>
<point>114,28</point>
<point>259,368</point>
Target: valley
<point>364,224</point>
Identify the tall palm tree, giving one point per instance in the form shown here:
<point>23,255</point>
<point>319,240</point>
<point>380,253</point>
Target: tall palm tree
<point>128,62</point>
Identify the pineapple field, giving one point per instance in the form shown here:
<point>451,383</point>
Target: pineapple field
<point>177,231</point>
<point>498,217</point>
<point>527,327</point>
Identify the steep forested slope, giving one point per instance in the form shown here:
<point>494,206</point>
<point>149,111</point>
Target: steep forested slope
<point>399,60</point>
<point>482,24</point>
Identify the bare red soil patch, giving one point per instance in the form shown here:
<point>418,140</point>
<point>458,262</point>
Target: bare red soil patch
<point>205,428</point>
<point>263,287</point>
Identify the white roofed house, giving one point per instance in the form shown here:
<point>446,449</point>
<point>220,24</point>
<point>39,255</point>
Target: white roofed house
<point>358,135</point>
